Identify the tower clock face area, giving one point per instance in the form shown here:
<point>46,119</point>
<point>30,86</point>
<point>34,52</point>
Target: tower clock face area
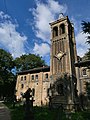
<point>61,42</point>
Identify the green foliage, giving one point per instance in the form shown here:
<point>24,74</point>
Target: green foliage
<point>26,62</point>
<point>83,115</point>
<point>88,90</point>
<point>17,113</point>
<point>6,61</point>
<point>42,113</point>
<point>87,55</point>
<point>77,116</point>
<point>7,79</point>
<point>86,30</point>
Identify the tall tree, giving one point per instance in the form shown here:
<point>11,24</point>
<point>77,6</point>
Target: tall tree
<point>6,76</point>
<point>86,30</point>
<point>87,55</point>
<point>6,61</point>
<point>26,62</point>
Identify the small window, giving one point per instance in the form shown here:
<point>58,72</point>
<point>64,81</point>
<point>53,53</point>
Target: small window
<point>21,78</point>
<point>24,77</point>
<point>62,29</point>
<point>84,72</point>
<point>55,31</point>
<point>32,77</point>
<point>22,86</point>
<point>36,77</point>
<point>33,92</point>
<point>46,76</point>
<point>21,94</point>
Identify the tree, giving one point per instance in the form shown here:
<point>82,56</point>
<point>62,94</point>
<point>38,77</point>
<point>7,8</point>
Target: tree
<point>88,90</point>
<point>86,30</point>
<point>87,55</point>
<point>7,63</point>
<point>30,61</point>
<point>6,76</point>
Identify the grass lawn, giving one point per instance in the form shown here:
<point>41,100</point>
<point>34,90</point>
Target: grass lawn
<point>17,113</point>
<point>43,113</point>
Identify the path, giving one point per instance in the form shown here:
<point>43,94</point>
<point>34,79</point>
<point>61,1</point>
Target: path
<point>4,112</point>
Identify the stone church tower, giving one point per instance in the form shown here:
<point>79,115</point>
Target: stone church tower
<point>63,57</point>
<point>63,43</point>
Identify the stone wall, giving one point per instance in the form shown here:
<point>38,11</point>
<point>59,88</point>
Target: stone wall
<point>41,84</point>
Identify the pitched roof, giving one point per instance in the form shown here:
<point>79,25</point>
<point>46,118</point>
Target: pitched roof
<point>85,63</point>
<point>35,70</point>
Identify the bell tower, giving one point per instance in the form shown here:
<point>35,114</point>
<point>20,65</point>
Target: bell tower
<point>63,56</point>
<point>63,47</point>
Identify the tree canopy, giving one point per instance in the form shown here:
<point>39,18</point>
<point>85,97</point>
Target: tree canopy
<point>26,62</point>
<point>7,63</point>
<point>86,30</point>
<point>6,77</point>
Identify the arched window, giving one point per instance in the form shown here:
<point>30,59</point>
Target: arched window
<point>22,86</point>
<point>60,89</point>
<point>55,31</point>
<point>62,29</point>
<point>24,77</point>
<point>33,92</point>
<point>84,72</point>
<point>36,77</point>
<point>46,76</point>
<point>32,77</point>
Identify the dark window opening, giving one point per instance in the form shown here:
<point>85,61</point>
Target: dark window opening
<point>33,92</point>
<point>36,77</point>
<point>60,89</point>
<point>24,77</point>
<point>22,86</point>
<point>55,31</point>
<point>21,94</point>
<point>46,76</point>
<point>48,92</point>
<point>84,72</point>
<point>62,29</point>
<point>32,77</point>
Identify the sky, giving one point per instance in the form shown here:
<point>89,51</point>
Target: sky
<point>24,25</point>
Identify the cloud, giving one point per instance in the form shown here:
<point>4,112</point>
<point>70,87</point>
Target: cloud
<point>10,39</point>
<point>82,47</point>
<point>43,14</point>
<point>42,49</point>
<point>4,16</point>
<point>76,24</point>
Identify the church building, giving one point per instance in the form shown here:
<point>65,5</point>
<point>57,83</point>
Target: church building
<point>61,81</point>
